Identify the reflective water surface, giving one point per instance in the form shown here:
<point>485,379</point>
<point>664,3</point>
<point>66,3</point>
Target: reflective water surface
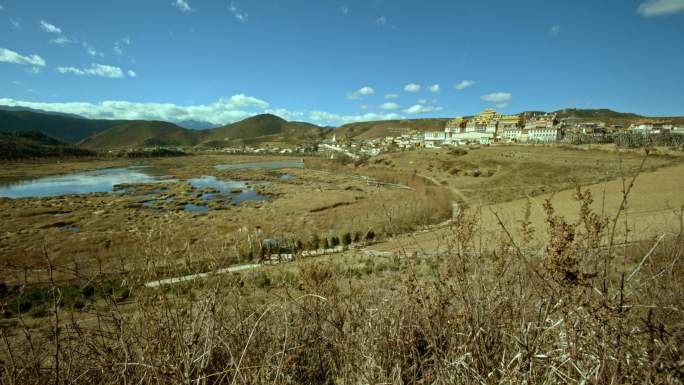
<point>239,191</point>
<point>86,182</point>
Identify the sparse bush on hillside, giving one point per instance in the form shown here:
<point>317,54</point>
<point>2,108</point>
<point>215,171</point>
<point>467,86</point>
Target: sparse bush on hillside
<point>346,239</point>
<point>458,151</point>
<point>334,241</point>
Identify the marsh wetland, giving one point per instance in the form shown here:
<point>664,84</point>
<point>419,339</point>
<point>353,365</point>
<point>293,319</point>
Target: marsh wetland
<point>93,215</point>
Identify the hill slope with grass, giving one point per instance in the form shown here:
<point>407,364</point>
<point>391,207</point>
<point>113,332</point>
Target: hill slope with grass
<point>260,129</point>
<point>138,134</point>
<point>609,117</point>
<point>383,128</point>
<point>251,131</point>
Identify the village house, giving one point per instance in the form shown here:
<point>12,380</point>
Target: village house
<point>544,134</point>
<point>649,126</point>
<point>434,138</point>
<point>480,129</point>
<point>453,129</point>
<point>570,123</point>
<point>592,128</point>
<point>543,128</point>
<point>509,128</point>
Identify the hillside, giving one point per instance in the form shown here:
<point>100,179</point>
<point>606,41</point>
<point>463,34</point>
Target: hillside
<point>610,117</point>
<point>604,115</point>
<point>260,129</point>
<point>379,129</point>
<point>252,131</point>
<point>27,144</point>
<point>136,134</point>
<point>70,129</point>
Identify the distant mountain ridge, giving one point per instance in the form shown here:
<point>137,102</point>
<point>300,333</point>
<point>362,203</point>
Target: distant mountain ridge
<point>100,133</point>
<point>66,128</point>
<point>256,130</point>
<point>192,124</point>
<point>27,109</point>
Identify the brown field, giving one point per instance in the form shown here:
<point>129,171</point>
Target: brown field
<point>495,174</point>
<point>653,207</point>
<point>113,226</point>
<point>452,303</point>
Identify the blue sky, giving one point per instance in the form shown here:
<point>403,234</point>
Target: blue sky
<point>332,62</point>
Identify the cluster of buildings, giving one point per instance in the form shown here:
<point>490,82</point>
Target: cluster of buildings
<point>490,126</point>
<point>266,150</point>
<point>486,127</point>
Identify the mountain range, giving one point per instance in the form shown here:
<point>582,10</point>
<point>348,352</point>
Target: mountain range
<point>99,133</point>
<point>256,130</point>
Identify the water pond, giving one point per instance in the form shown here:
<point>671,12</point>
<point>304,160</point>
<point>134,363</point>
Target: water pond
<point>221,192</point>
<point>238,191</point>
<point>97,181</point>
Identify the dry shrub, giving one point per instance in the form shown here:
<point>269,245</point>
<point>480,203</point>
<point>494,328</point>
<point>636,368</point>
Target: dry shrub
<point>507,316</point>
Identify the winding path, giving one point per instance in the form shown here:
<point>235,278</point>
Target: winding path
<point>192,277</point>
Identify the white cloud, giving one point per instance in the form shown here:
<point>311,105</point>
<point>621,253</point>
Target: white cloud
<point>497,97</point>
<point>381,21</point>
<point>434,88</point>
<point>223,111</point>
<point>91,50</point>
<point>464,84</point>
<point>421,109</point>
<point>412,87</point>
<point>15,24</point>
<point>236,12</point>
<point>95,69</point>
<point>327,118</point>
<point>286,114</point>
<point>555,30</point>
<point>2,7</point>
<point>391,96</point>
<point>182,5</point>
<point>50,28</point>
<point>60,40</point>
<point>654,8</point>
<point>132,73</point>
<point>390,106</point>
<point>345,10</point>
<point>361,92</point>
<point>53,29</point>
<point>423,101</point>
<point>9,56</point>
<point>120,45</point>
<point>502,105</point>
